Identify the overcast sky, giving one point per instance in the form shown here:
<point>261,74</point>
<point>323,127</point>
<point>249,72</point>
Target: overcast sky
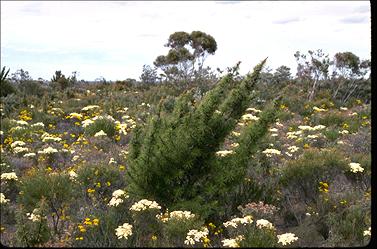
<point>115,39</point>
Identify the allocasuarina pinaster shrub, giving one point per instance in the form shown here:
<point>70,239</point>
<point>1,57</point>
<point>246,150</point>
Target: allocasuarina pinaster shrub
<point>173,158</point>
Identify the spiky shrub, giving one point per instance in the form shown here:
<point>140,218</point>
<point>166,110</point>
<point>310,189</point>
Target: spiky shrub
<point>173,158</point>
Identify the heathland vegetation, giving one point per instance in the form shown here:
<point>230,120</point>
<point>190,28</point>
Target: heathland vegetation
<point>190,157</point>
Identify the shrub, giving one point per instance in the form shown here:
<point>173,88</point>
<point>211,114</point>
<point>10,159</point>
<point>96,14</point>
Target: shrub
<point>104,124</point>
<point>173,161</point>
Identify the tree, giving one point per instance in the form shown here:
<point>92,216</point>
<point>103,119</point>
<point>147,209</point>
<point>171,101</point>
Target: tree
<point>149,75</point>
<point>349,74</point>
<point>185,59</point>
<point>173,158</point>
<point>282,74</point>
<point>313,69</point>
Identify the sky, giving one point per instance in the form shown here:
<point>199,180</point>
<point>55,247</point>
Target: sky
<point>115,39</point>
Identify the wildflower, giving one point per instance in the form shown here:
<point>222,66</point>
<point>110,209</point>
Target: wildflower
<point>181,215</point>
<point>31,154</point>
<point>343,108</point>
<point>143,205</point>
<point>323,187</point>
<point>89,107</point>
<point>306,146</point>
<point>112,161</point>
<point>249,117</point>
<point>251,109</point>
<point>196,235</point>
<point>319,127</point>
<point>34,216</point>
<point>21,122</point>
<point>305,127</point>
<point>123,231</point>
<point>367,232</point>
<point>313,136</point>
<point>48,150</point>
<point>262,223</point>
<point>344,132</point>
<point>355,167</point>
<point>75,115</point>
<point>100,133</point>
<point>9,176</point>
<point>217,112</point>
<point>39,124</point>
<point>233,242</point>
<point>117,197</point>
<point>2,199</point>
<point>236,134</point>
<point>154,237</point>
<point>287,238</point>
<point>293,148</point>
<point>20,150</point>
<point>79,238</point>
<point>121,167</point>
<point>90,190</point>
<point>316,109</point>
<point>17,144</point>
<point>269,152</point>
<point>72,175</point>
<point>273,129</point>
<point>95,222</point>
<point>86,122</point>
<point>223,153</point>
<point>234,222</point>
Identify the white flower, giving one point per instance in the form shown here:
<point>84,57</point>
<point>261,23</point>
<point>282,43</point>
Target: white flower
<point>344,132</point>
<point>223,153</point>
<point>74,158</point>
<point>1,133</point>
<point>367,232</point>
<point>313,136</point>
<point>2,199</point>
<point>89,107</point>
<point>355,167</point>
<point>17,144</point>
<point>293,148</point>
<point>343,108</point>
<point>115,202</point>
<point>72,175</point>
<point>196,235</point>
<point>236,134</point>
<point>31,154</point>
<point>100,133</point>
<point>287,238</point>
<point>86,122</point>
<point>233,242</point>
<point>34,217</point>
<point>269,152</point>
<point>48,150</point>
<point>305,127</point>
<point>40,124</point>
<point>9,176</point>
<point>181,215</point>
<point>251,109</point>
<point>112,161</point>
<point>273,130</point>
<point>117,197</point>
<point>319,127</point>
<point>249,117</point>
<point>50,138</point>
<point>262,223</point>
<point>144,204</point>
<point>123,231</point>
<point>20,150</point>
<point>21,122</point>
<point>234,222</point>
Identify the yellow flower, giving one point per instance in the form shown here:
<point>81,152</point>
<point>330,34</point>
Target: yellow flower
<point>154,237</point>
<point>91,190</point>
<point>343,202</point>
<point>306,146</point>
<point>117,138</point>
<point>98,184</point>
<point>108,184</point>
<point>65,146</point>
<point>73,135</point>
<point>345,126</point>
<point>95,222</point>
<point>358,101</point>
<point>83,230</point>
<point>121,167</point>
<point>79,238</point>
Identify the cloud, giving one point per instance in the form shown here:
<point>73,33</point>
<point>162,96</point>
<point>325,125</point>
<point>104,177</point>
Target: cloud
<point>287,20</point>
<point>354,19</point>
<point>362,9</point>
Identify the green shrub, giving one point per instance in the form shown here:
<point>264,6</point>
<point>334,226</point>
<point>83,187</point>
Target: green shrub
<point>104,124</point>
<point>173,161</point>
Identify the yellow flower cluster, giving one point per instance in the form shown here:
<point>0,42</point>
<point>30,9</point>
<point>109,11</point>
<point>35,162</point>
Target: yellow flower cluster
<point>323,187</point>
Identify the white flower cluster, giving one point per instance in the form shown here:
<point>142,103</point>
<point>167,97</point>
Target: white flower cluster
<point>234,222</point>
<point>249,117</point>
<point>252,109</point>
<point>50,138</point>
<point>124,230</point>
<point>86,122</point>
<point>34,216</point>
<point>100,133</point>
<point>39,124</point>
<point>367,232</point>
<point>223,153</point>
<point>344,132</point>
<point>270,152</point>
<point>287,238</point>
<point>9,176</point>
<point>178,215</point>
<point>31,154</point>
<point>72,175</point>
<point>20,150</point>
<point>293,148</point>
<point>262,223</point>
<point>355,167</point>
<point>2,199</point>
<point>117,197</point>
<point>143,205</point>
<point>17,144</point>
<point>48,150</point>
<point>21,122</point>
<point>233,242</point>
<point>112,161</point>
<point>309,128</point>
<point>89,107</point>
<point>122,127</point>
<point>194,236</point>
